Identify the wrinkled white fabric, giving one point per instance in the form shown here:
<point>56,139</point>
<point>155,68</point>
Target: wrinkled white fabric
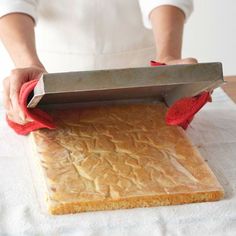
<point>30,7</point>
<point>21,6</point>
<point>212,131</point>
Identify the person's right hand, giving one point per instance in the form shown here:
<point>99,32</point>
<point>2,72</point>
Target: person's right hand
<point>11,89</point>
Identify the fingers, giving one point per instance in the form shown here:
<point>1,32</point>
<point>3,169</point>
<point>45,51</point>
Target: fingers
<point>11,100</point>
<point>7,101</point>
<point>16,82</point>
<point>6,97</point>
<point>189,60</point>
<point>12,86</point>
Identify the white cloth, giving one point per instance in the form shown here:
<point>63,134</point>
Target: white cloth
<point>30,7</point>
<point>212,131</point>
<point>97,34</point>
<point>148,5</point>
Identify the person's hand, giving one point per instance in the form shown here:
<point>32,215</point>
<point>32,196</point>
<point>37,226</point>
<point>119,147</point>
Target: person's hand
<point>11,89</point>
<point>174,61</point>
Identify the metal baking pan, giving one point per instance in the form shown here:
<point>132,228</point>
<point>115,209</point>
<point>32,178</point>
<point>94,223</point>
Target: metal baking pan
<point>163,83</point>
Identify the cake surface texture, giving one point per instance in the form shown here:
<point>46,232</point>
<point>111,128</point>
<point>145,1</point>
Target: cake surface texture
<point>122,156</point>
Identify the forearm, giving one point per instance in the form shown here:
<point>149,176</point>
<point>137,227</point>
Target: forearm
<point>17,34</point>
<point>167,23</point>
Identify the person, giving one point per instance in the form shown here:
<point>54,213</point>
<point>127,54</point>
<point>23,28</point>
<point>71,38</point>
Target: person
<point>87,35</point>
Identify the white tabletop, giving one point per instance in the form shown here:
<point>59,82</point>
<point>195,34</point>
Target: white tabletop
<point>213,131</point>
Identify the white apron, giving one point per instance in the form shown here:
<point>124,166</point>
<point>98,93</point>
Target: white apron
<point>89,35</point>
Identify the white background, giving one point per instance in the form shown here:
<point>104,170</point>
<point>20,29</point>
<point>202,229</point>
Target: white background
<point>210,33</point>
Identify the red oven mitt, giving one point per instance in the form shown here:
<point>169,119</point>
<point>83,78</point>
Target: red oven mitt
<point>182,112</point>
<point>40,119</point>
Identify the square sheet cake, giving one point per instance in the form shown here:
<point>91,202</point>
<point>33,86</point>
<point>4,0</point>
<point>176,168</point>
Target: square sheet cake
<point>122,156</point>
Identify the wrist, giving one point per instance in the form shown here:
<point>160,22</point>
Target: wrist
<point>31,62</point>
<point>38,65</point>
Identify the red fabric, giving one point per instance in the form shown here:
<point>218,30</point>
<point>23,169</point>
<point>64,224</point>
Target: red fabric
<point>182,112</point>
<point>156,63</point>
<point>40,118</point>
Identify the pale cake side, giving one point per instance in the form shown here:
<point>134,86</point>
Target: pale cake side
<point>122,156</point>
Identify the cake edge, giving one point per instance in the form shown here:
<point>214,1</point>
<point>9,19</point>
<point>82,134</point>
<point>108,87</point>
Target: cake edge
<point>135,202</point>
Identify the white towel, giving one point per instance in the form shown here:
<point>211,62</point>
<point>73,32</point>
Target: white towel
<point>213,131</point>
